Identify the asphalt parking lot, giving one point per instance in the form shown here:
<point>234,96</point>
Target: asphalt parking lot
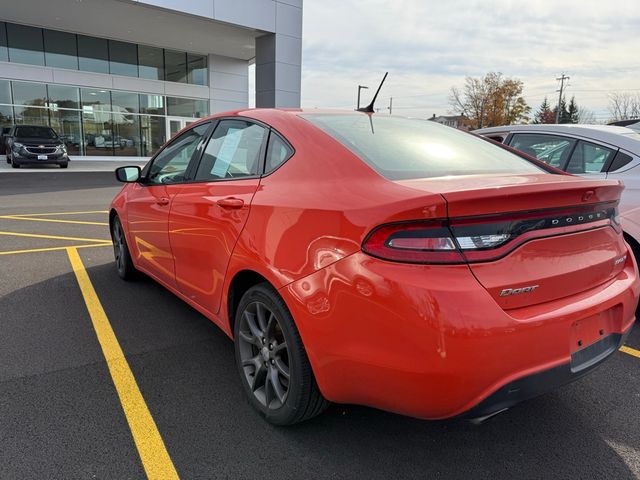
<point>168,401</point>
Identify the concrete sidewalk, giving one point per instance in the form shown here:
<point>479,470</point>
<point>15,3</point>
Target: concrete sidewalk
<point>103,164</point>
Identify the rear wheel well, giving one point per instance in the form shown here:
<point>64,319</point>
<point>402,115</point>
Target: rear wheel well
<point>635,246</point>
<point>241,282</point>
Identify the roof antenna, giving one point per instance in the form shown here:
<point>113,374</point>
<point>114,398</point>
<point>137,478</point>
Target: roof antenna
<point>369,108</point>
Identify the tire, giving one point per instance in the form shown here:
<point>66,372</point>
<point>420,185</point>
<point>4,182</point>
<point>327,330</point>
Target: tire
<point>14,164</point>
<point>268,347</point>
<point>124,264</point>
<point>8,161</point>
<point>64,165</point>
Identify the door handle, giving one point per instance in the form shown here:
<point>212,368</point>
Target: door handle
<point>163,201</point>
<point>230,202</point>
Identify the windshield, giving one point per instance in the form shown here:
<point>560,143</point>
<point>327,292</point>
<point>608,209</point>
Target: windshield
<point>36,132</point>
<point>402,148</point>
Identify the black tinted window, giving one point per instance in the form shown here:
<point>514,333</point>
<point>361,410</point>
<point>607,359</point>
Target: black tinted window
<point>403,148</point>
<point>35,132</point>
<point>619,161</point>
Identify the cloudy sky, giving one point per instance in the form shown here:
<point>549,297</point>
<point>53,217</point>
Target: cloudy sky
<point>430,45</point>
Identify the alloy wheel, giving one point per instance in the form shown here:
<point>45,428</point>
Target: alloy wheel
<point>264,355</point>
<point>119,245</point>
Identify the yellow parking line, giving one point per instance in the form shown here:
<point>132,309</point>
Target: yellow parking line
<point>55,237</point>
<point>57,213</point>
<point>51,249</point>
<point>35,219</point>
<point>153,453</point>
<point>631,351</point>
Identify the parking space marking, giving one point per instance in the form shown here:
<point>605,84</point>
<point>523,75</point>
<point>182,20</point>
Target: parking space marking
<point>52,249</point>
<point>630,351</point>
<point>49,214</point>
<point>154,456</point>
<point>53,220</point>
<point>56,237</point>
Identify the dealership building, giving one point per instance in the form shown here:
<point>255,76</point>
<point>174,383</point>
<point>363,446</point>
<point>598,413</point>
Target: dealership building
<point>120,77</point>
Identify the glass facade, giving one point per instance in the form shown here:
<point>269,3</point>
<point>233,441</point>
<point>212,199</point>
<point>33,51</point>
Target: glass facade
<point>41,46</point>
<point>95,121</point>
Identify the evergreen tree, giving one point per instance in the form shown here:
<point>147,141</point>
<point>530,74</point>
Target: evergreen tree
<point>572,111</point>
<point>544,113</point>
<point>564,116</point>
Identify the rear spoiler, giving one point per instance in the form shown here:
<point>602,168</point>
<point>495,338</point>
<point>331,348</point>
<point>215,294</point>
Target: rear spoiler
<point>528,158</point>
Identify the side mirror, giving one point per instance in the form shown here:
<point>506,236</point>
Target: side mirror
<point>128,174</point>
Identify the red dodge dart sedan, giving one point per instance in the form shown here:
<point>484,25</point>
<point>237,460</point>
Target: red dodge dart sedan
<point>379,260</point>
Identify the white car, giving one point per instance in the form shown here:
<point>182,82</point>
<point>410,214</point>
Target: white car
<point>598,151</point>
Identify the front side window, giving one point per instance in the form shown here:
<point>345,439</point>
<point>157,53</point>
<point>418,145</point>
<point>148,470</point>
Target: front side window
<point>403,148</point>
<point>589,158</point>
<point>170,166</point>
<point>553,150</point>
<point>233,151</point>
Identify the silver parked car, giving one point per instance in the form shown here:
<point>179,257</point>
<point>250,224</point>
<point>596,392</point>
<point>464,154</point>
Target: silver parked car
<point>598,151</point>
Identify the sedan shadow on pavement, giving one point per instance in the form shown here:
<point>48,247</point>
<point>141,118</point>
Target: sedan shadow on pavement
<point>186,371</point>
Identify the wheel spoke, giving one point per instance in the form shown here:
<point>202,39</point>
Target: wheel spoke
<point>282,368</point>
<point>259,378</point>
<point>251,323</point>
<point>268,391</point>
<point>262,322</point>
<point>253,362</point>
<point>278,348</point>
<point>250,338</point>
<point>277,386</point>
<point>268,331</point>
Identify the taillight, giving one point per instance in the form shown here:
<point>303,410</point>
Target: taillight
<point>481,239</point>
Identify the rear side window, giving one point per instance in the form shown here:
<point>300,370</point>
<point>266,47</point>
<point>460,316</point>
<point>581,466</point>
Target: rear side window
<point>402,148</point>
<point>553,150</point>
<point>233,151</point>
<point>278,152</point>
<point>589,158</point>
<point>619,161</point>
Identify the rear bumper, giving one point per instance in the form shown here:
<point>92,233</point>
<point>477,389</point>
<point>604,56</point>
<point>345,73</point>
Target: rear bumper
<point>431,342</point>
<point>525,388</point>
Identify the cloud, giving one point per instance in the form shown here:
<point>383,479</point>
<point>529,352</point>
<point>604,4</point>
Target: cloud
<point>429,46</point>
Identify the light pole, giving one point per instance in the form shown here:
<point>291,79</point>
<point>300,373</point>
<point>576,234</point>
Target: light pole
<point>360,87</point>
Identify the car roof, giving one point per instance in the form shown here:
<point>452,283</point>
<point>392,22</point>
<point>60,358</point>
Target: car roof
<point>621,137</point>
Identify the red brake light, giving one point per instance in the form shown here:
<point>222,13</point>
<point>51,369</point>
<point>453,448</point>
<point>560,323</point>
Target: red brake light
<point>483,238</point>
<point>413,242</point>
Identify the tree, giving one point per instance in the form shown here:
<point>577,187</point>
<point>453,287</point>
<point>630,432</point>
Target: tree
<point>572,111</point>
<point>490,101</point>
<point>624,105</point>
<point>564,116</point>
<point>544,113</point>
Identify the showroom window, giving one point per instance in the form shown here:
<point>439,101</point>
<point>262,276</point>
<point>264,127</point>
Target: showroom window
<point>151,62</point>
<point>93,54</point>
<point>94,121</point>
<point>60,49</point>
<point>25,44</point>
<point>123,58</point>
<point>53,48</point>
<point>4,52</point>
<point>175,64</point>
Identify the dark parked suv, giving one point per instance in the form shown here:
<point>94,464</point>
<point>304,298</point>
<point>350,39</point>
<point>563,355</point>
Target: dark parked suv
<point>34,144</point>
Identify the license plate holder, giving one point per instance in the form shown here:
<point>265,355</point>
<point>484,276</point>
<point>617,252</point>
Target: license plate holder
<point>43,157</point>
<point>587,331</point>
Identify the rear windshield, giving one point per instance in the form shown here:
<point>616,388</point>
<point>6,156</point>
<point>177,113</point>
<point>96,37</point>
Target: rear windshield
<point>403,148</point>
<point>35,132</point>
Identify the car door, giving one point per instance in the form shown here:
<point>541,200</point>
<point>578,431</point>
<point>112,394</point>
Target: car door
<point>208,214</point>
<point>149,203</point>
